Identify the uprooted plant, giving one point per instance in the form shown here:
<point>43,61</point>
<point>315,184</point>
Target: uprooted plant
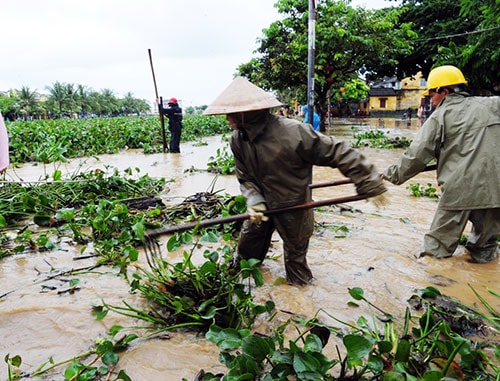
<point>184,295</point>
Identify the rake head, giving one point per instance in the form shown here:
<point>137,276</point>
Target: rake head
<point>152,249</point>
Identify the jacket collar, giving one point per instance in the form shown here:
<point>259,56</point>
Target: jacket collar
<point>255,129</point>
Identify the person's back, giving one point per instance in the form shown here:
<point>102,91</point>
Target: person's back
<point>468,134</point>
<point>174,114</point>
<point>463,135</point>
<point>316,118</point>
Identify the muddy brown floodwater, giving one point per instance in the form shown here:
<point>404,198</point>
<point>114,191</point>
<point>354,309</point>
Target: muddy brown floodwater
<point>377,254</point>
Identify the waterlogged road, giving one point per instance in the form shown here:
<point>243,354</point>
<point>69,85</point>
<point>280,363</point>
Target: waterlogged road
<point>376,254</point>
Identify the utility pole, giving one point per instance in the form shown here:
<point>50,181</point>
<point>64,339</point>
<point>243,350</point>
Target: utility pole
<point>310,61</point>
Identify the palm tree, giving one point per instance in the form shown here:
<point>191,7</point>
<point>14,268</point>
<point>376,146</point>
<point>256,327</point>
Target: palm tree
<point>27,102</point>
<point>58,95</point>
<point>109,103</point>
<point>83,99</point>
<point>71,97</point>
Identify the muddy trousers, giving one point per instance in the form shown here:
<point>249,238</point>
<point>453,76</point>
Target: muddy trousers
<point>295,229</point>
<point>447,228</point>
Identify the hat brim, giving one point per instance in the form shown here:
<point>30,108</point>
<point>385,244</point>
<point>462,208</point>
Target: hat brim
<point>241,96</point>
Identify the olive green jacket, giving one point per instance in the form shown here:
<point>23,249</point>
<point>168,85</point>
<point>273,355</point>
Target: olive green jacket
<point>274,160</point>
<point>463,135</point>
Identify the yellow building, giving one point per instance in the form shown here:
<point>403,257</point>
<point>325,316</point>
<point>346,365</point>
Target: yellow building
<point>392,95</point>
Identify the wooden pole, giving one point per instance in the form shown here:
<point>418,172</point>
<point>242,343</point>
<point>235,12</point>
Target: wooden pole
<point>240,217</point>
<point>159,103</point>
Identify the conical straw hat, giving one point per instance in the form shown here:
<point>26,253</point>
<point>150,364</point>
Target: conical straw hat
<point>241,96</point>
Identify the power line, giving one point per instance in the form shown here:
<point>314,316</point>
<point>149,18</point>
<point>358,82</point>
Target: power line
<point>458,34</point>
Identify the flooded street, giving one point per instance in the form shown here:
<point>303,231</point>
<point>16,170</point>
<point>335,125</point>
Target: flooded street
<point>377,254</point>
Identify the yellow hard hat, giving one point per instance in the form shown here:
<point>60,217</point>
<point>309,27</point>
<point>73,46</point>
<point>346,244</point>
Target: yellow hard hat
<point>444,76</point>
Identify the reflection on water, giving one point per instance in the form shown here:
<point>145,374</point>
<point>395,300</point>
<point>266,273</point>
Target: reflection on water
<point>377,254</point>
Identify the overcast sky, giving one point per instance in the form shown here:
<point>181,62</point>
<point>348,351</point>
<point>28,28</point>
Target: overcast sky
<point>196,45</point>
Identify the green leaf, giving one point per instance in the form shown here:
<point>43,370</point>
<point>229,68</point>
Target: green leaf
<point>375,364</point>
<point>72,370</point>
<point>173,243</point>
<point>210,237</point>
<point>14,361</point>
<point>313,344</point>
<point>65,214</point>
<point>258,348</point>
<point>357,346</point>
<point>99,312</point>
<point>123,376</point>
<point>138,228</point>
<point>304,362</point>
<point>430,292</point>
<point>131,252</point>
<point>57,175</point>
<point>258,277</point>
<point>42,219</point>
<point>403,351</point>
<point>228,338</point>
<point>129,338</point>
<point>110,358</point>
<point>357,293</point>
<point>75,282</point>
<point>432,375</point>
<point>115,329</point>
<point>208,268</point>
<point>384,346</point>
<point>393,376</point>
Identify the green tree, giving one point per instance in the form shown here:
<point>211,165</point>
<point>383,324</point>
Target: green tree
<point>72,98</point>
<point>7,106</point>
<point>58,97</point>
<point>480,57</point>
<point>27,102</point>
<point>350,94</point>
<point>131,105</point>
<point>84,104</point>
<point>349,41</point>
<point>109,103</point>
<point>463,33</point>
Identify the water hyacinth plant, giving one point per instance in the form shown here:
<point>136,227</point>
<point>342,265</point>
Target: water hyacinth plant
<point>189,296</point>
<point>426,347</point>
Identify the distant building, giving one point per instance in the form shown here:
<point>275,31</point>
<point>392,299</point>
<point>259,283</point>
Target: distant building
<point>392,95</point>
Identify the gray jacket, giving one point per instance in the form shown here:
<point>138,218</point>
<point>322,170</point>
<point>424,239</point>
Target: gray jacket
<point>463,134</point>
<point>275,156</point>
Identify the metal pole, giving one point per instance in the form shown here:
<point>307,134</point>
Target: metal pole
<point>310,61</point>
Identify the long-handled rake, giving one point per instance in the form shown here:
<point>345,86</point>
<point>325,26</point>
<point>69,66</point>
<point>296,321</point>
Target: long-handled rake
<point>239,217</point>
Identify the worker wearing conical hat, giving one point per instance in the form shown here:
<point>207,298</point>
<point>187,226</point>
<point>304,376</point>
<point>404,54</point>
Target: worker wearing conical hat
<point>274,157</point>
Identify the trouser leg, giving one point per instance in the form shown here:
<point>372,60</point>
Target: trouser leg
<point>444,234</point>
<point>255,239</point>
<point>295,229</point>
<point>175,139</point>
<point>482,242</point>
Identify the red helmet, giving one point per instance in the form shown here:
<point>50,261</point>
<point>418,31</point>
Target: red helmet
<point>172,100</point>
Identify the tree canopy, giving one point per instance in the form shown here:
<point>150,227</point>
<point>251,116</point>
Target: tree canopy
<point>371,44</point>
<point>349,42</point>
<point>463,33</point>
<point>66,100</point>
